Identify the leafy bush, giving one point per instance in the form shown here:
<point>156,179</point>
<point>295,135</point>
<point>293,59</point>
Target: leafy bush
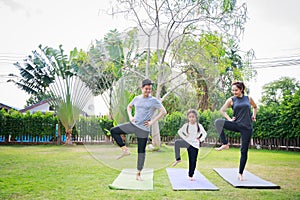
<point>273,121</point>
<point>2,121</point>
<point>279,120</point>
<point>106,124</point>
<point>171,123</point>
<point>18,125</point>
<point>207,119</point>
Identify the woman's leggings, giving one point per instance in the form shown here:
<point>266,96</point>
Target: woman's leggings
<point>246,134</point>
<point>192,152</point>
<point>142,137</point>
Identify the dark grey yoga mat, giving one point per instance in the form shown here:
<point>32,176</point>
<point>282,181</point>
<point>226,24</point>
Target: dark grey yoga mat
<point>179,180</point>
<point>251,181</point>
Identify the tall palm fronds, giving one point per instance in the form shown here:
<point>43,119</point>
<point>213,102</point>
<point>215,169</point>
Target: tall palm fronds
<point>69,96</point>
<point>121,96</point>
<point>35,75</point>
<point>102,67</point>
<point>38,71</point>
<point>50,73</point>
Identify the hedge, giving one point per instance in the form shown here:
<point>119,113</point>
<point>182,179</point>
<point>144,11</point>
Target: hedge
<point>19,127</point>
<point>23,126</point>
<point>277,120</point>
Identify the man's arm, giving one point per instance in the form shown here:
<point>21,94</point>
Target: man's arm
<point>162,112</point>
<point>129,111</point>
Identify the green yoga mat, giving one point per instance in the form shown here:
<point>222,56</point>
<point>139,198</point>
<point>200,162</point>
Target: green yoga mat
<point>127,180</point>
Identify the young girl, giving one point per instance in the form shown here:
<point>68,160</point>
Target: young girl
<point>240,122</point>
<point>191,133</point>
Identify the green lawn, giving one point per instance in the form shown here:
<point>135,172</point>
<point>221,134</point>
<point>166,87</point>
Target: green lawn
<point>84,172</point>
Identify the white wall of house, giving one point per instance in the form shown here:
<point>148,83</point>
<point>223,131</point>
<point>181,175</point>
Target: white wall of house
<point>43,108</point>
<point>89,108</point>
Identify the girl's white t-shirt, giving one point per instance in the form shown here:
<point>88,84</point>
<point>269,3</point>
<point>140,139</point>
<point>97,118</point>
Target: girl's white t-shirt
<point>193,134</point>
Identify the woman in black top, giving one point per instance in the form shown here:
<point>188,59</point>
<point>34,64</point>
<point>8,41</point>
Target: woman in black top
<point>240,122</point>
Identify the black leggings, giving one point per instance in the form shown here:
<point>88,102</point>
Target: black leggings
<point>246,134</point>
<point>142,141</point>
<point>192,152</point>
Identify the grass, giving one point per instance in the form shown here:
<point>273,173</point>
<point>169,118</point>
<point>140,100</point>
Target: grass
<point>84,172</point>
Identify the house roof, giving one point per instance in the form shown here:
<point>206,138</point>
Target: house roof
<point>39,104</point>
<point>2,105</point>
<point>34,105</point>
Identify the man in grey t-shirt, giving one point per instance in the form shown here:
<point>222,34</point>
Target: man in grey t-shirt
<point>140,123</point>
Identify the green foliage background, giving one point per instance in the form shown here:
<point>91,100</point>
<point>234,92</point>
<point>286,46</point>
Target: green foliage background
<point>277,120</point>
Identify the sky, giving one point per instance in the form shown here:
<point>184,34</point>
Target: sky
<point>272,31</point>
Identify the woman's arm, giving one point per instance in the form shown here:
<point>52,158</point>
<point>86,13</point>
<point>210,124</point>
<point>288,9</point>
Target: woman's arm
<point>226,105</point>
<point>253,104</point>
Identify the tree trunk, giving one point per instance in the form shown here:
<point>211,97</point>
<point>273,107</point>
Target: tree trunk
<point>7,138</point>
<point>58,134</point>
<point>156,141</point>
<point>203,98</point>
<point>69,137</point>
<point>107,139</point>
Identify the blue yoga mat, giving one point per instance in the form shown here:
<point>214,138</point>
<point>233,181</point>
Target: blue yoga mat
<point>251,181</point>
<point>179,180</point>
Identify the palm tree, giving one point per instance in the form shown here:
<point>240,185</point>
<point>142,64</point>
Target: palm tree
<point>35,75</point>
<point>69,96</point>
<point>51,74</point>
<point>102,67</point>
